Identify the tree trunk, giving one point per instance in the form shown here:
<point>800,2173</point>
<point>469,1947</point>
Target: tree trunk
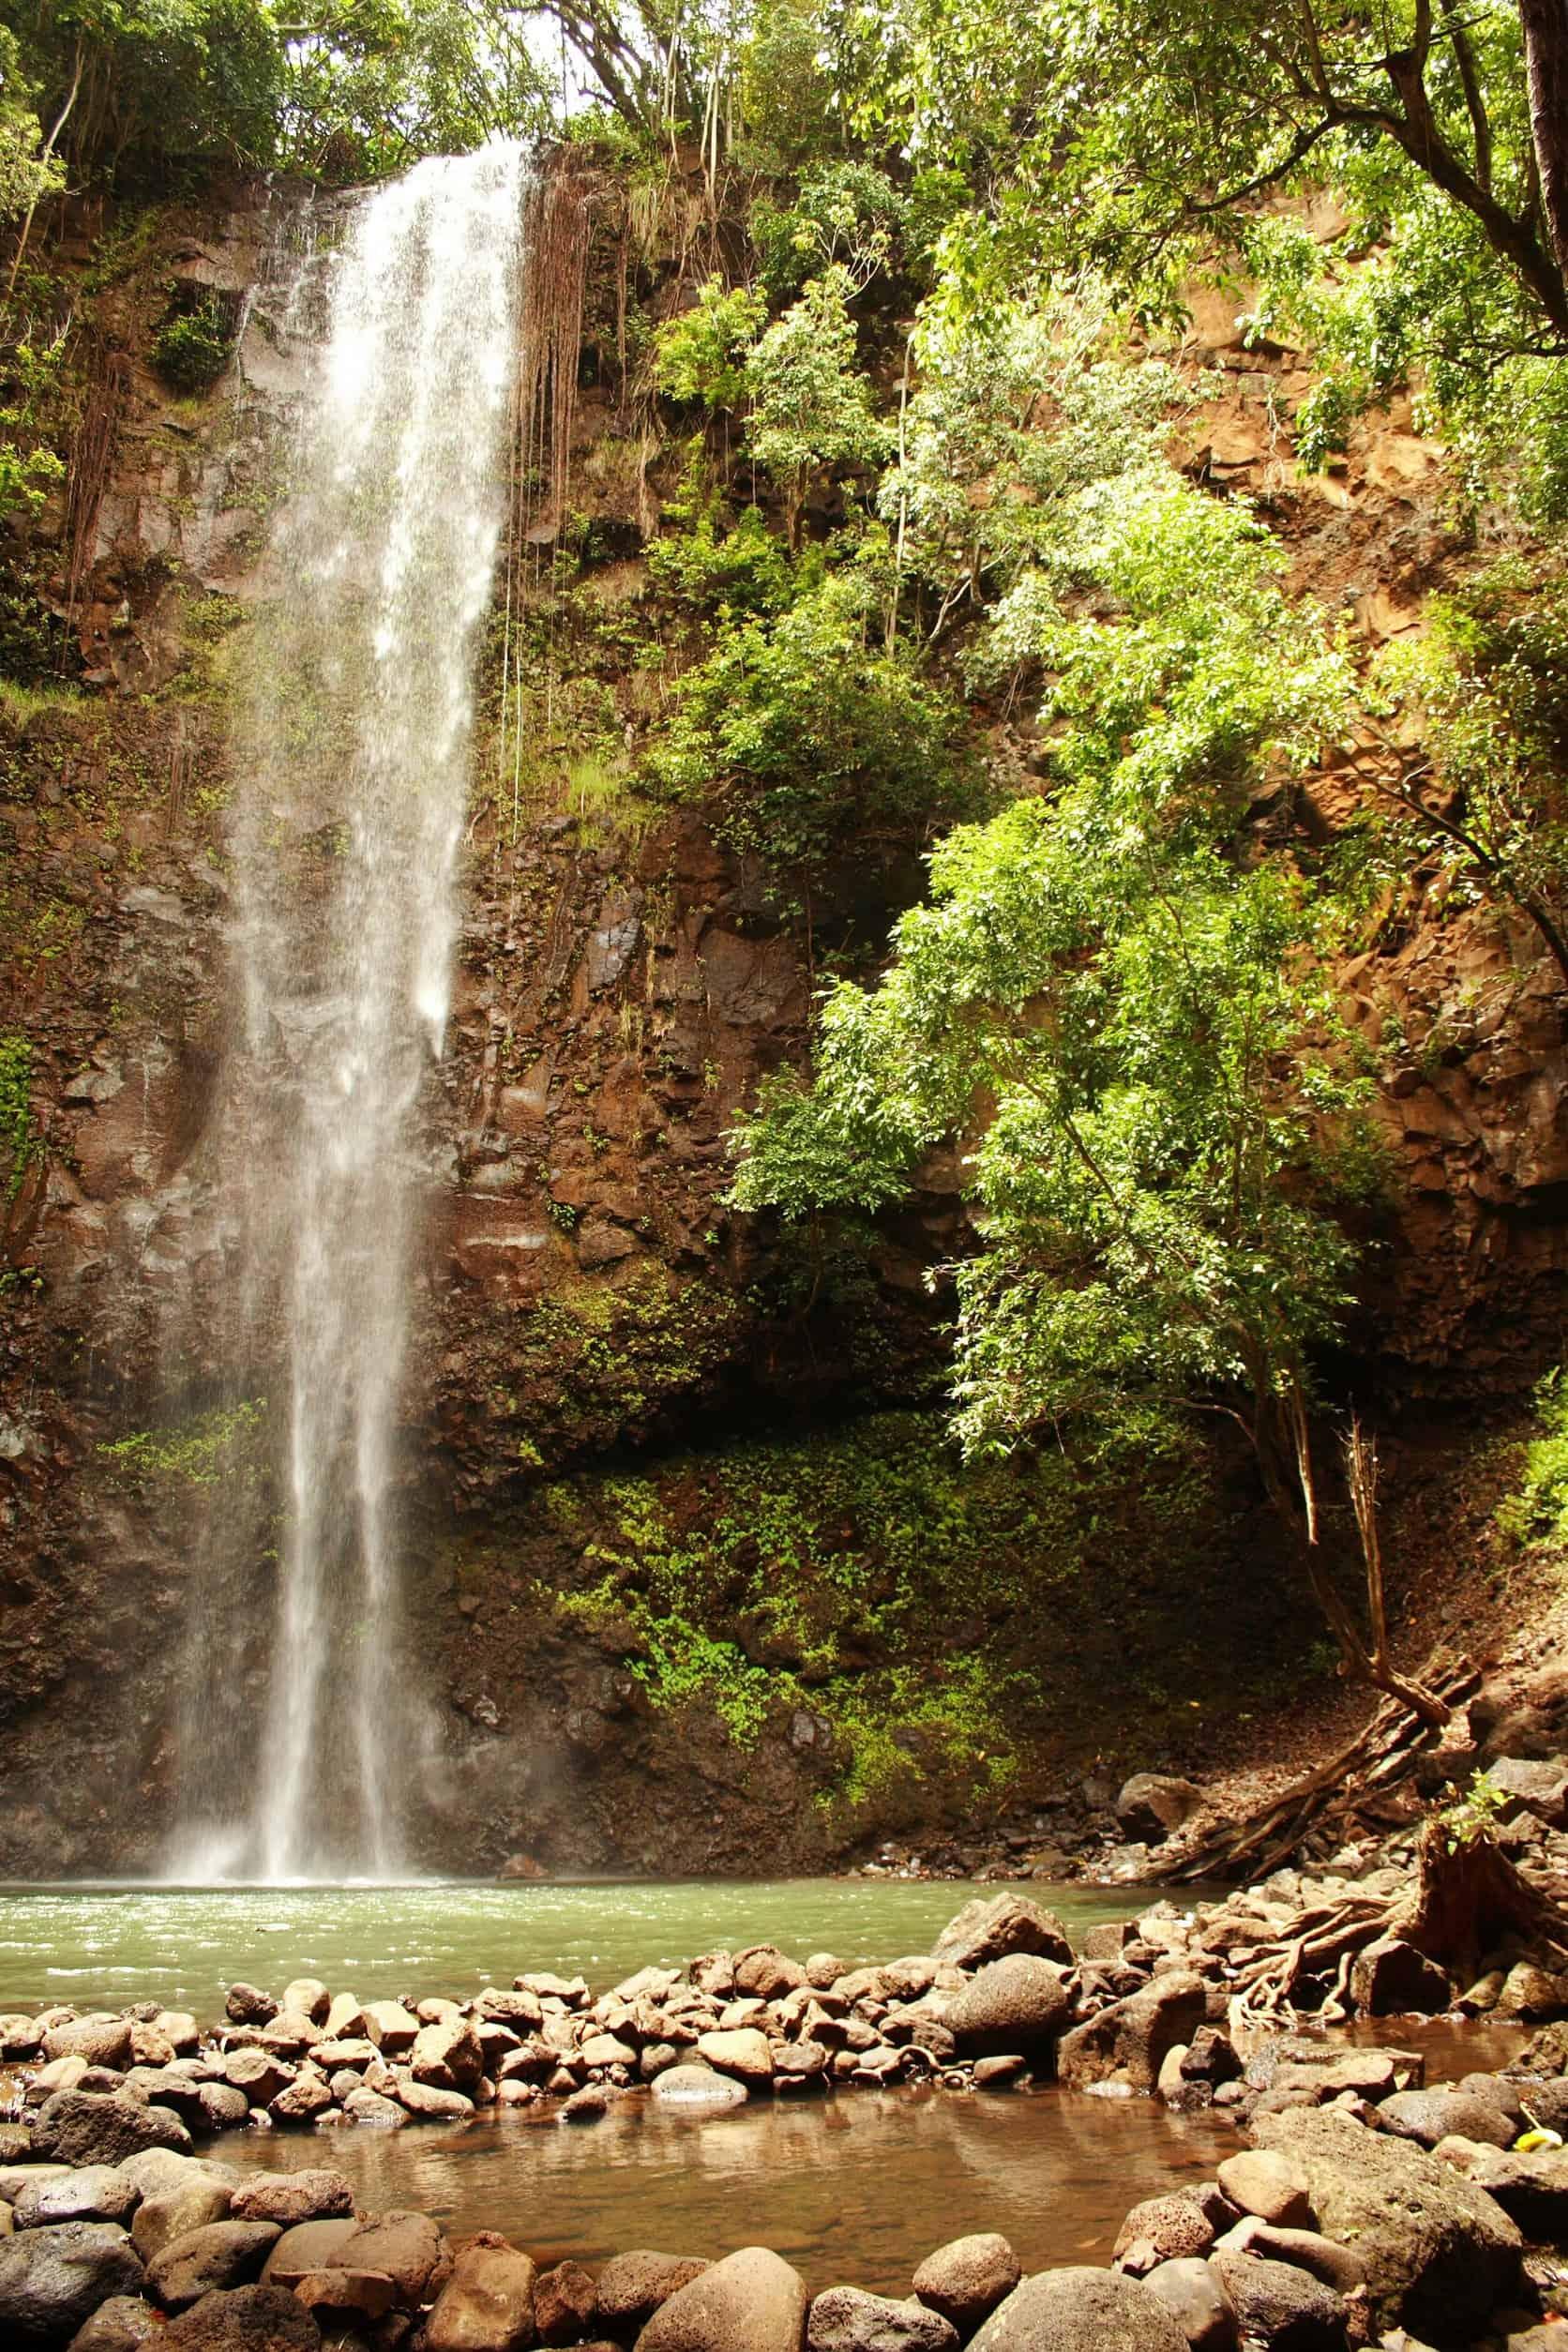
<point>1467,1899</point>
<point>1545,32</point>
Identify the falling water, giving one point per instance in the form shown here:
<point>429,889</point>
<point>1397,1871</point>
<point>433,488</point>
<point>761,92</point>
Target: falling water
<point>352,759</point>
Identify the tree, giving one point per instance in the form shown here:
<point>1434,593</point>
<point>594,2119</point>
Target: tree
<point>810,406</point>
<point>370,86</point>
<point>134,88</point>
<point>1124,1021</point>
<point>800,731</point>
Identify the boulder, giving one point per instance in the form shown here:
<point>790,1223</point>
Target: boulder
<point>843,2319</point>
<point>53,2279</point>
<point>993,1926</point>
<point>354,2298</point>
<point>486,2305</point>
<point>309,2246</point>
<point>752,2301</point>
<point>395,2031</point>
<point>632,2286</point>
<point>220,2253</point>
<point>1259,2181</point>
<point>300,2102</point>
<point>312,2193</point>
<point>93,2127</point>
<point>1391,1978</point>
<point>966,2279</point>
<point>123,2324</point>
<point>1427,2117</point>
<point>1531,1993</point>
<point>407,2246</point>
<point>1196,2300</point>
<point>98,2193</point>
<point>1151,1804</point>
<point>1168,2227</point>
<point>258,2074</point>
<point>248,2005</point>
<point>698,2086</point>
<point>1440,2252</point>
<point>1015,2004</point>
<point>1126,2044</point>
<point>1287,2309</point>
<point>1339,2267</point>
<point>447,2054</point>
<point>251,2319</point>
<point>188,2203</point>
<point>566,2304</point>
<point>1531,2189</point>
<point>371,2107</point>
<point>1079,2310</point>
<point>430,2101</point>
<point>1526,1787</point>
<point>765,1971</point>
<point>101,2040</point>
<point>742,2052</point>
<point>307,1997</point>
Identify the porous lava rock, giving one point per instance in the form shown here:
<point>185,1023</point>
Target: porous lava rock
<point>993,1926</point>
<point>1127,2043</point>
<point>966,2279</point>
<point>486,2305</point>
<point>632,2286</point>
<point>845,2319</point>
<point>1079,2310</point>
<point>246,2319</point>
<point>51,2280</point>
<point>1440,2252</point>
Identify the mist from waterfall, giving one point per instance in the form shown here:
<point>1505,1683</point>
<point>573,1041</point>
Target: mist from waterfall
<point>352,740</point>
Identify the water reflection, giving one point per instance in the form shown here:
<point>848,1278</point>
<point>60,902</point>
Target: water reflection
<point>858,2187</point>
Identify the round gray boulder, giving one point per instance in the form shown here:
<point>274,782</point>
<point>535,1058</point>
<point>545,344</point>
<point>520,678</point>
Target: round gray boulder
<point>51,2280</point>
<point>1079,2310</point>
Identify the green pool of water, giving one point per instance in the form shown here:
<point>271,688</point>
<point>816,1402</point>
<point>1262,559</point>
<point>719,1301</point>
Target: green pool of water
<point>106,1946</point>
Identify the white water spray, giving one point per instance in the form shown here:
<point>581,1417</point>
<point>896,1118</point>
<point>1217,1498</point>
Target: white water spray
<point>351,760</point>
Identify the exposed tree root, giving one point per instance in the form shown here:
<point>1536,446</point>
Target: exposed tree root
<point>1467,1900</point>
<point>1339,1791</point>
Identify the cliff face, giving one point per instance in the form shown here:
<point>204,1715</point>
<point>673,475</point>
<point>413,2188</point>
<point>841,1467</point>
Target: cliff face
<point>611,1370</point>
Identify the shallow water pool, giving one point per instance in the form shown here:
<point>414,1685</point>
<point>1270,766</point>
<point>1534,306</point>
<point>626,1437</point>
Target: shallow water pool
<point>107,1946</point>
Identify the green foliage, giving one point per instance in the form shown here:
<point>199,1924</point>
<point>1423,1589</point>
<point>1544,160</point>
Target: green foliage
<point>144,87</point>
<point>1180,673</point>
<point>1538,1513</point>
<point>19,1143</point>
<point>1121,1021</point>
<point>701,354</point>
<point>802,728</point>
<point>191,348</point>
<point>718,572</point>
<point>845,213</point>
<point>374,85</point>
<point>830,1578</point>
<point>25,174</point>
<point>210,1451</point>
<point>1487,685</point>
<point>810,406</point>
<point>1472,1816</point>
<point>1015,415</point>
<point>29,419</point>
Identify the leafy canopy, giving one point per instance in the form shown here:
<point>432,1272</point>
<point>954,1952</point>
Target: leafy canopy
<point>1119,1018</point>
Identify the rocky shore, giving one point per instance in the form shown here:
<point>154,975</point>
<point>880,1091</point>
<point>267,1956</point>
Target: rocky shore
<point>1362,2206</point>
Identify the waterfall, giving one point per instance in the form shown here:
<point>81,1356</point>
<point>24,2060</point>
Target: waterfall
<point>352,739</point>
